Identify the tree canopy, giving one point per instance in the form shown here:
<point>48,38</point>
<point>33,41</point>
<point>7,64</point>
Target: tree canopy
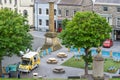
<point>85,30</point>
<point>64,23</point>
<point>14,35</point>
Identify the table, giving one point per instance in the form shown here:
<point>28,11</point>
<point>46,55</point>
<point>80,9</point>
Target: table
<point>61,55</point>
<point>52,61</point>
<point>58,70</point>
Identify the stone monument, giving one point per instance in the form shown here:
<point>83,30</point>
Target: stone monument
<point>98,66</point>
<point>51,39</point>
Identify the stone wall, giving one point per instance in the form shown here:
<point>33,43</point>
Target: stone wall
<point>112,10</point>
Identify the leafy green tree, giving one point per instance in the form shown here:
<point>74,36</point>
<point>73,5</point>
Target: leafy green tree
<point>14,35</point>
<point>85,30</point>
<point>64,23</point>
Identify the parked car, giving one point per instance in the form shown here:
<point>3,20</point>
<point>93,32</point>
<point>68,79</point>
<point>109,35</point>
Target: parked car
<point>107,43</point>
<point>59,29</point>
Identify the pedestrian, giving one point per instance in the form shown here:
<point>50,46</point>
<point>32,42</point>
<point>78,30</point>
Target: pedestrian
<point>9,74</point>
<point>18,74</point>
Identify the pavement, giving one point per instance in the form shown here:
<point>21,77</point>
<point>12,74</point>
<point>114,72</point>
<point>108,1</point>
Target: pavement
<point>46,70</point>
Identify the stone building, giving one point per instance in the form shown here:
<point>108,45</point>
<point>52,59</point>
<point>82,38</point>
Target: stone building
<point>110,9</point>
<point>24,7</point>
<point>68,8</point>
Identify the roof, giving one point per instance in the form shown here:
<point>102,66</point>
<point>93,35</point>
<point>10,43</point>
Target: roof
<point>29,55</point>
<point>70,2</point>
<point>108,1</point>
<point>45,1</point>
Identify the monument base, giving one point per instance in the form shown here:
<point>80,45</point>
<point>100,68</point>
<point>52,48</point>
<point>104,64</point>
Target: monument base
<point>51,40</point>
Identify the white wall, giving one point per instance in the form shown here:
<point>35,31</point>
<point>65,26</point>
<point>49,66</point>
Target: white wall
<point>43,16</point>
<point>21,6</point>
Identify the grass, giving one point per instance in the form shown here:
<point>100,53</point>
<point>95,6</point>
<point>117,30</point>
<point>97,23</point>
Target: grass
<point>115,79</point>
<point>47,79</point>
<point>108,63</point>
<point>34,79</point>
<point>80,64</point>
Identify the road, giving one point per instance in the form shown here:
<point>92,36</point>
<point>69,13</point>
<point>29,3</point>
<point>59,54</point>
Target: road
<point>45,69</point>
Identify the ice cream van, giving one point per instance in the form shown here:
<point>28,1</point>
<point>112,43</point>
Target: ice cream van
<point>29,61</point>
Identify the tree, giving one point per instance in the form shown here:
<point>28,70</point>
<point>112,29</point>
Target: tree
<point>14,35</point>
<point>85,30</point>
<point>64,23</point>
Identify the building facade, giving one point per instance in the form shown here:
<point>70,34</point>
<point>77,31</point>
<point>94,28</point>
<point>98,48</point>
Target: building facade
<point>68,8</point>
<point>110,9</point>
<point>42,15</point>
<point>62,9</point>
<point>24,7</point>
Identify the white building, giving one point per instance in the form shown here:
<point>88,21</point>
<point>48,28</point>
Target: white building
<point>24,7</point>
<point>42,14</point>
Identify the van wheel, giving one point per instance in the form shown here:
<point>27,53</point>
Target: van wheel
<point>37,66</point>
<point>29,71</point>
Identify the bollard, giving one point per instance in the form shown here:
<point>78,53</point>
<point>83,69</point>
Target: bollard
<point>111,53</point>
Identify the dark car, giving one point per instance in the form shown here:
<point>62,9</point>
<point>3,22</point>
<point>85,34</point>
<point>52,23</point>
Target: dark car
<point>107,43</point>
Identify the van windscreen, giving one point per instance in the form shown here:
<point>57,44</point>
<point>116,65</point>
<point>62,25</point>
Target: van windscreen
<point>25,62</point>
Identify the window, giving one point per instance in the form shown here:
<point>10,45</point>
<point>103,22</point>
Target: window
<point>47,11</point>
<point>5,1</point>
<point>47,22</point>
<point>59,12</point>
<point>25,13</point>
<point>105,8</point>
<point>74,12</point>
<point>54,11</point>
<point>15,2</point>
<point>118,22</point>
<point>118,9</point>
<point>0,1</point>
<point>40,12</point>
<point>15,9</point>
<point>10,1</point>
<point>67,13</point>
<point>40,22</point>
